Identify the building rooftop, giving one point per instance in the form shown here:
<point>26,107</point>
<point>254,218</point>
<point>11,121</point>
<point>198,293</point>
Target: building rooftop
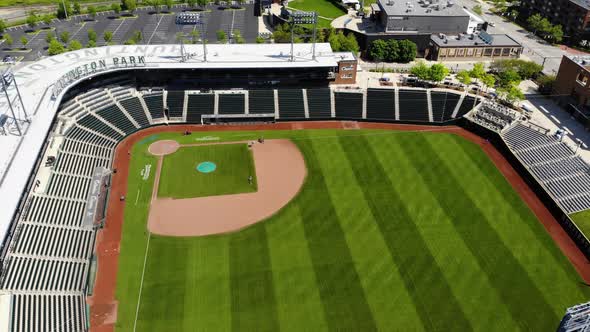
<point>421,8</point>
<point>582,3</point>
<point>473,40</point>
<point>581,60</point>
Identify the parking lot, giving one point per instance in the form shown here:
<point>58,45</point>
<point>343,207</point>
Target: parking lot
<point>155,28</point>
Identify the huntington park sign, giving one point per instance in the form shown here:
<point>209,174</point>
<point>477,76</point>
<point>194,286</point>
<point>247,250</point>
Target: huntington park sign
<point>90,68</point>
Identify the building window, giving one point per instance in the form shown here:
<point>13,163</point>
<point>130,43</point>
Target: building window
<point>470,52</point>
<point>442,52</point>
<point>478,52</point>
<point>497,51</point>
<point>505,52</point>
<point>461,52</point>
<point>488,52</point>
<point>451,52</point>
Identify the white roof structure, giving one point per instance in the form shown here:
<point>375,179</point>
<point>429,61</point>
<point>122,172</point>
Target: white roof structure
<point>43,83</point>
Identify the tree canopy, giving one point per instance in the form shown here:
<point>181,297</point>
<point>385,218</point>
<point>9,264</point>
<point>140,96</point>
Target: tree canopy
<point>392,50</point>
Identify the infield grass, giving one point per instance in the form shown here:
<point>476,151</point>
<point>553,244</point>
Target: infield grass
<point>180,179</point>
<point>392,231</point>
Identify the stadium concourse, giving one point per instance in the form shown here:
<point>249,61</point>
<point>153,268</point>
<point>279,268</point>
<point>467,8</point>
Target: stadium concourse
<point>80,105</point>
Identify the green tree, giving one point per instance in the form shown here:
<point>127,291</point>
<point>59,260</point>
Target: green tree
<point>107,36</point>
<point>91,11</point>
<point>421,71</point>
<point>116,8</point>
<point>169,4</point>
<point>191,3</point>
<point>438,72</point>
<point>535,22</point>
<point>508,78</point>
<point>511,93</point>
<point>202,3</point>
<point>63,8</point>
<point>546,83</point>
<point>74,45</point>
<point>136,36</point>
<point>195,35</point>
<point>260,40</point>
<point>556,33</point>
<point>477,9</point>
<point>55,47</point>
<point>130,5</point>
<point>32,19</point>
<point>8,39</point>
<point>464,77</point>
<point>378,50</point>
<point>407,51</point>
<point>49,37</point>
<point>77,10</point>
<point>24,41</point>
<point>64,36</point>
<point>221,36</point>
<point>238,39</point>
<point>2,25</point>
<point>478,71</point>
<point>488,80</point>
<point>47,18</point>
<point>92,35</point>
<point>91,43</point>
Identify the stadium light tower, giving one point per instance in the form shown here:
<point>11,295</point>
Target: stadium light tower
<point>298,17</point>
<point>7,79</point>
<point>194,19</point>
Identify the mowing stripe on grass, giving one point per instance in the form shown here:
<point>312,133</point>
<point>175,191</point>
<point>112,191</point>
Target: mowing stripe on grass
<point>344,303</point>
<point>253,298</point>
<point>397,227</point>
<point>509,278</point>
<point>381,279</point>
<point>512,198</point>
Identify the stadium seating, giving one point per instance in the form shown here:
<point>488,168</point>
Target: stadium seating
<point>94,124</point>
<point>413,105</point>
<point>381,104</point>
<point>443,105</point>
<point>175,102</point>
<point>291,104</point>
<point>135,109</point>
<point>261,101</point>
<point>199,104</point>
<point>467,105</point>
<point>232,103</point>
<point>349,105</point>
<point>155,105</point>
<point>117,118</point>
<point>319,103</point>
<point>48,313</point>
<point>554,164</point>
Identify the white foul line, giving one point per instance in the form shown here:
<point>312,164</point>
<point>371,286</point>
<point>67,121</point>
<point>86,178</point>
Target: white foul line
<point>147,248</point>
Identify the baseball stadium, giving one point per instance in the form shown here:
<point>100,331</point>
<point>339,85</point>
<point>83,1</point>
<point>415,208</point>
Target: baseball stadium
<point>242,188</point>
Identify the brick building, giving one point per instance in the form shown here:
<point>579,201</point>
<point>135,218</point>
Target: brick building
<point>572,15</point>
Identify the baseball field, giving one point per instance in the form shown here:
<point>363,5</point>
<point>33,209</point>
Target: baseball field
<point>390,231</point>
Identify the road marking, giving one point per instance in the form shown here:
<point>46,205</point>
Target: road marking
<point>147,248</point>
<point>156,29</point>
<point>554,118</point>
<point>544,109</point>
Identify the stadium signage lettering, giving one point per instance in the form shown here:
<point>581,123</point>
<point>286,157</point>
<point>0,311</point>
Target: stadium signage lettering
<point>94,67</point>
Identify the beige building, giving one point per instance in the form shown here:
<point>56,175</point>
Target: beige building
<point>473,47</point>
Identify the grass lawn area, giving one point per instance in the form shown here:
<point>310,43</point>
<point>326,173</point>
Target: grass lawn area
<point>582,220</point>
<point>325,8</point>
<point>180,178</point>
<point>392,231</point>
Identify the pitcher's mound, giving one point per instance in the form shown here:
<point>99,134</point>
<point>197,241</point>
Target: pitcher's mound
<point>164,147</point>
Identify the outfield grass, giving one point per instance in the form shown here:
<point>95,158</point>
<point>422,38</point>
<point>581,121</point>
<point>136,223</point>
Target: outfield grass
<point>180,178</point>
<point>325,8</point>
<point>391,231</point>
<point>582,220</point>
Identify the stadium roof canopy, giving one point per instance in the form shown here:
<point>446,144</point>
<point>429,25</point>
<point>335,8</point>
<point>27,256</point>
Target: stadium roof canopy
<point>43,83</point>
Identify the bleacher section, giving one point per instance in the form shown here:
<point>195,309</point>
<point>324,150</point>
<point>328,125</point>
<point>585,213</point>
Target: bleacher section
<point>291,104</point>
<point>319,103</point>
<point>349,105</point>
<point>413,105</point>
<point>232,103</point>
<point>117,118</point>
<point>261,101</point>
<point>443,105</point>
<point>381,104</point>
<point>175,102</point>
<point>135,109</point>
<point>49,313</point>
<point>155,105</point>
<point>467,105</point>
<point>493,116</point>
<point>198,105</point>
<point>565,175</point>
